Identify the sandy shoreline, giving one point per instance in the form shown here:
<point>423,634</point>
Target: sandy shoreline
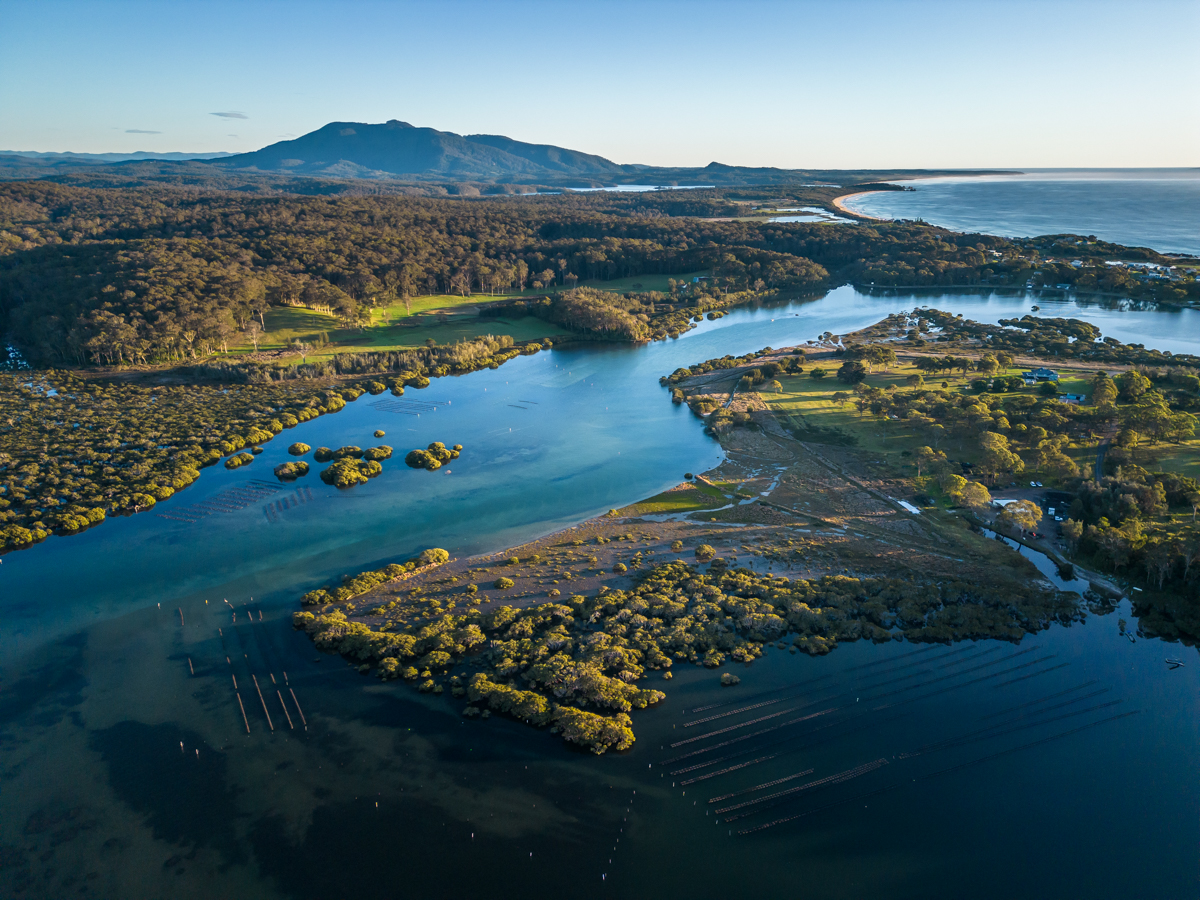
<point>840,202</point>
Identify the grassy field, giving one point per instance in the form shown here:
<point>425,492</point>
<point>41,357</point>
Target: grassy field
<point>445,318</point>
<point>679,500</point>
<point>1183,459</point>
<point>392,330</point>
<point>807,404</point>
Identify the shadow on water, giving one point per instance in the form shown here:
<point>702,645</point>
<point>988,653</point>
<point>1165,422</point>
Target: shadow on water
<point>50,687</point>
<point>185,795</point>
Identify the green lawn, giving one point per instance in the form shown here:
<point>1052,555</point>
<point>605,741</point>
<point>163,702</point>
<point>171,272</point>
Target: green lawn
<point>808,403</point>
<point>700,496</point>
<point>444,317</point>
<point>395,330</point>
<point>1183,459</point>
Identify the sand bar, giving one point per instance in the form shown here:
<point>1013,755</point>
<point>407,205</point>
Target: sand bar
<point>840,203</point>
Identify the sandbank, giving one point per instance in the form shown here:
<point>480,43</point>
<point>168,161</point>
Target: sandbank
<point>840,203</point>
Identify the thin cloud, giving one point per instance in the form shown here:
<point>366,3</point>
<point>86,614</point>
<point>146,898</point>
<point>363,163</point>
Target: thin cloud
<point>140,131</point>
<point>230,115</point>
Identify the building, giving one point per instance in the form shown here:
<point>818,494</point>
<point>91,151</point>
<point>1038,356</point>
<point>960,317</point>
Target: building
<point>1035,375</point>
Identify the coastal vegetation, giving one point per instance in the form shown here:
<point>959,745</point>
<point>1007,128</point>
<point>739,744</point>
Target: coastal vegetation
<point>1113,449</point>
<point>432,457</point>
<point>74,451</point>
<point>576,664</point>
<point>349,471</point>
<point>290,471</point>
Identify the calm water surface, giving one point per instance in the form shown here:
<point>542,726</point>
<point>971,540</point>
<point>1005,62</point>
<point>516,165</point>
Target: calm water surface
<point>1158,208</point>
<point>381,794</point>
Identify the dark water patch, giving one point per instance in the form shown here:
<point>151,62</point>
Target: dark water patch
<point>184,795</point>
<point>53,685</point>
<point>409,848</point>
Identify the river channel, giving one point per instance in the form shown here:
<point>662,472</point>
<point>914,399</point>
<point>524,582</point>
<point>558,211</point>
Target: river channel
<point>123,774</point>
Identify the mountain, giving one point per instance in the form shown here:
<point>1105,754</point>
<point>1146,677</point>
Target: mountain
<point>345,153</point>
<point>399,150</point>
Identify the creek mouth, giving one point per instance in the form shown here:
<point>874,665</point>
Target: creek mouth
<point>268,825</point>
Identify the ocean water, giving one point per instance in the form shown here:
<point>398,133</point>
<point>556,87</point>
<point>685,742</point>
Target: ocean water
<point>1156,208</point>
<point>126,769</point>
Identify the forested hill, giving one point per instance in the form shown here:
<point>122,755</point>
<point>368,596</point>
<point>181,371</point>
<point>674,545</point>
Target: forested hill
<point>355,149</point>
<point>117,276</point>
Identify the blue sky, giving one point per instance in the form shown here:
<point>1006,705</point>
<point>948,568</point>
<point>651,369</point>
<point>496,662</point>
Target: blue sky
<point>796,84</point>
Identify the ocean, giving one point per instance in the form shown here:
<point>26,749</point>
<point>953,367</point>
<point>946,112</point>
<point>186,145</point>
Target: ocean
<point>1156,208</point>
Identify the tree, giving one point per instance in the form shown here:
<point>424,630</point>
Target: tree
<point>852,372</point>
<point>997,457</point>
<point>987,364</point>
<point>1104,390</point>
<point>915,381</point>
<point>817,372</point>
<point>974,496</point>
<point>1159,558</point>
<point>1132,384</point>
<point>1073,532</point>
<point>1052,459</point>
<point>254,332</point>
<point>928,458</point>
<point>1021,514</point>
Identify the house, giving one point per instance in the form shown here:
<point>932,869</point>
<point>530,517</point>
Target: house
<point>1073,399</point>
<point>1035,375</point>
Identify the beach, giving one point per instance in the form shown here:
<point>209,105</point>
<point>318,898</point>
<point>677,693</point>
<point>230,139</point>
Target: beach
<point>840,203</point>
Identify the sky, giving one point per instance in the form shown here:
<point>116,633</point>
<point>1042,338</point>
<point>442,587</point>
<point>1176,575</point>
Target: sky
<point>845,84</point>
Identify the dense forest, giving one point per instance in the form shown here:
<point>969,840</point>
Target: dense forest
<point>138,276</point>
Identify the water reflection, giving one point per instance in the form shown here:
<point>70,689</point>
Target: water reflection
<point>118,648</point>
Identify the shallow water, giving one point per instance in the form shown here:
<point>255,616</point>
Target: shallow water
<point>1158,208</point>
<point>98,693</point>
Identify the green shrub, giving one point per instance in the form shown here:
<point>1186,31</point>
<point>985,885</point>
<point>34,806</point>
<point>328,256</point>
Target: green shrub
<point>348,472</point>
<point>322,454</point>
<point>379,432</point>
<point>432,458</point>
<point>235,462</point>
<point>503,584</point>
<point>290,471</point>
<point>299,449</point>
<point>705,552</point>
<point>434,556</point>
<point>378,453</point>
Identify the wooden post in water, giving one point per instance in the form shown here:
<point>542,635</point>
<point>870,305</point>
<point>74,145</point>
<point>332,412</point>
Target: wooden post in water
<point>263,702</point>
<point>298,709</point>
<point>191,668</point>
<point>285,710</point>
<point>242,706</point>
<point>180,617</point>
